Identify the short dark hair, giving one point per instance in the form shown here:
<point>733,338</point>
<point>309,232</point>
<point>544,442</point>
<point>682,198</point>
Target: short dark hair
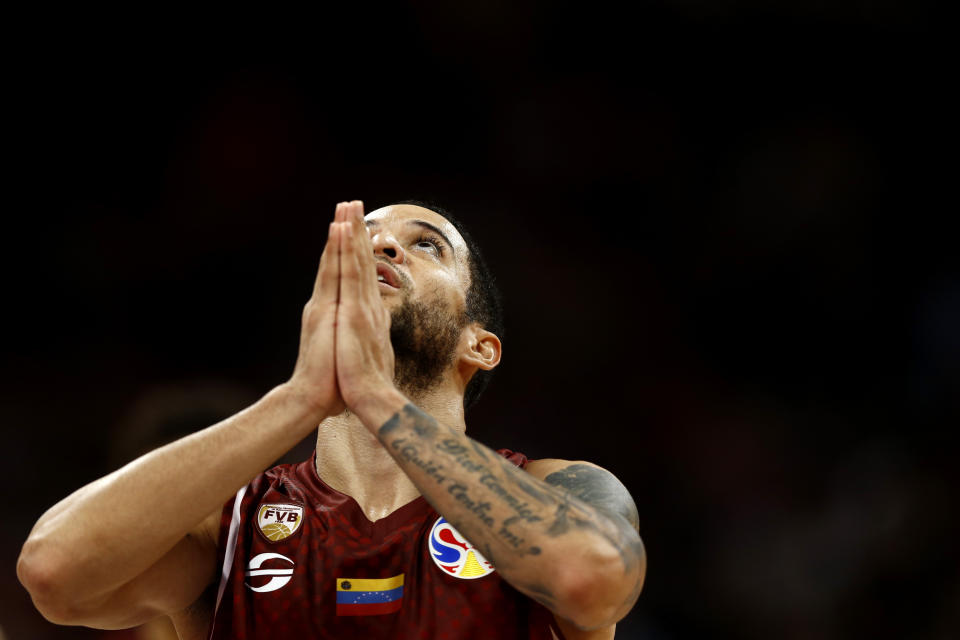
<point>484,303</point>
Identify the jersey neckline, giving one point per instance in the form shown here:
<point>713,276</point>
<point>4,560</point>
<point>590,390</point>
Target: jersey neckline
<point>355,512</point>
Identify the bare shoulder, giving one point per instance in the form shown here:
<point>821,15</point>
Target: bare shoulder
<point>589,482</point>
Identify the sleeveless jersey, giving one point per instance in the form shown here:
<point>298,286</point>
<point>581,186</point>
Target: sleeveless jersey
<point>301,560</point>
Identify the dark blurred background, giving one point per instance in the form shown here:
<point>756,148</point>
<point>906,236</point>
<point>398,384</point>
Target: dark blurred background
<point>720,229</point>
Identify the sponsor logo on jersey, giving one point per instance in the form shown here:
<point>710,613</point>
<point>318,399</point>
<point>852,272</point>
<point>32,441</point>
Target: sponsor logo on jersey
<point>278,573</point>
<point>369,597</point>
<point>278,521</point>
<point>452,553</point>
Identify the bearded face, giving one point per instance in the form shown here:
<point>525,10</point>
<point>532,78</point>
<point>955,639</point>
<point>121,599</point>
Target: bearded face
<point>424,338</point>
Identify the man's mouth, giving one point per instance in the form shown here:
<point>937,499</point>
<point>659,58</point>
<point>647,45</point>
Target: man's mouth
<point>387,276</point>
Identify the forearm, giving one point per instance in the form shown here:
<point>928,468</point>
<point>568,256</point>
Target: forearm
<point>113,529</point>
<point>583,563</point>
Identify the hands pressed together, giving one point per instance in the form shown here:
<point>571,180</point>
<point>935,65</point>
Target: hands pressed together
<point>345,351</point>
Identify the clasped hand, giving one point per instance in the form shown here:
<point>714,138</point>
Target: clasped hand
<point>345,352</point>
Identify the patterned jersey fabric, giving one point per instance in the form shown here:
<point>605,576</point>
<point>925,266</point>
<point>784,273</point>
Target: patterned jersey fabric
<point>301,560</point>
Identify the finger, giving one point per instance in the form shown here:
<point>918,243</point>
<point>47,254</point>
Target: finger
<point>356,209</point>
<point>349,212</point>
<point>326,258</point>
<point>329,277</point>
<point>343,212</point>
<point>356,216</point>
<point>349,266</point>
<point>330,248</point>
<point>363,248</point>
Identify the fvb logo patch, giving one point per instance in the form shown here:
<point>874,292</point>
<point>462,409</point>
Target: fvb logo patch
<point>452,553</point>
<point>279,521</point>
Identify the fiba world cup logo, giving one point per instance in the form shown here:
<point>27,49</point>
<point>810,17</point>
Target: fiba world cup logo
<point>452,553</point>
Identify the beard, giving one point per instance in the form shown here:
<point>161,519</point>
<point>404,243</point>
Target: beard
<point>424,338</point>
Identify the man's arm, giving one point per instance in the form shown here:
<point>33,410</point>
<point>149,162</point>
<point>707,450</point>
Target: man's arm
<point>142,541</point>
<point>568,541</point>
<point>131,546</point>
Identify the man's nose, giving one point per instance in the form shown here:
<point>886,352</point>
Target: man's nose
<point>384,244</point>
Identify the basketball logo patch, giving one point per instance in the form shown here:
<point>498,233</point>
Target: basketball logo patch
<point>279,521</point>
<point>452,553</point>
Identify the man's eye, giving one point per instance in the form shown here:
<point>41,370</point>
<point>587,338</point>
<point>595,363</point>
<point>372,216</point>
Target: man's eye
<point>431,244</point>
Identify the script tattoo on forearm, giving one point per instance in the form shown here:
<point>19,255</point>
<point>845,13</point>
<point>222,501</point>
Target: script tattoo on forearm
<point>410,453</point>
<point>508,502</point>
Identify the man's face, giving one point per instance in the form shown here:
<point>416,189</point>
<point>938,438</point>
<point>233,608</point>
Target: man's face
<point>424,273</point>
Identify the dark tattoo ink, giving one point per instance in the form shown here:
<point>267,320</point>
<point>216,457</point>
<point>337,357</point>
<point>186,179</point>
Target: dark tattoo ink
<point>509,536</point>
<point>423,424</point>
<point>451,447</point>
<point>598,488</point>
<point>478,509</point>
<point>514,539</point>
<point>522,480</point>
<point>410,453</point>
<point>478,449</point>
<point>523,509</point>
<point>601,491</point>
<point>493,496</point>
<point>389,425</point>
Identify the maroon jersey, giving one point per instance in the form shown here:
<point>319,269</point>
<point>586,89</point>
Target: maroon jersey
<point>301,560</point>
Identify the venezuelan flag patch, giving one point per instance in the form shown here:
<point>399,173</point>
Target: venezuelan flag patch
<point>369,597</point>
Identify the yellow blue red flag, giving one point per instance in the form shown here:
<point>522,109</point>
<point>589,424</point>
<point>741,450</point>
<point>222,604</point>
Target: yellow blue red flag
<point>369,596</point>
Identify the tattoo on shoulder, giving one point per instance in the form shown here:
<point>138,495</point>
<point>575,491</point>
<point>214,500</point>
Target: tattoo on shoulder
<point>598,488</point>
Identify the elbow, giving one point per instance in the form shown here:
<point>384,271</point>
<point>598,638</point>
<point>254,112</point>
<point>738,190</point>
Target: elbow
<point>35,570</point>
<point>602,593</point>
<point>589,611</point>
<point>44,577</point>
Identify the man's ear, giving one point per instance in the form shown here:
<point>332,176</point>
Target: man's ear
<point>479,348</point>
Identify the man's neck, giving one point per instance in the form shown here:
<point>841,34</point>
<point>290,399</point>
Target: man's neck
<point>351,459</point>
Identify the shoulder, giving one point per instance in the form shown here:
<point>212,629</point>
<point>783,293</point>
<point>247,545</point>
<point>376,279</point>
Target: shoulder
<point>545,466</point>
<point>589,482</point>
<point>287,478</point>
<point>562,472</point>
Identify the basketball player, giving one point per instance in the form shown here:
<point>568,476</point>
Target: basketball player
<point>400,525</point>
